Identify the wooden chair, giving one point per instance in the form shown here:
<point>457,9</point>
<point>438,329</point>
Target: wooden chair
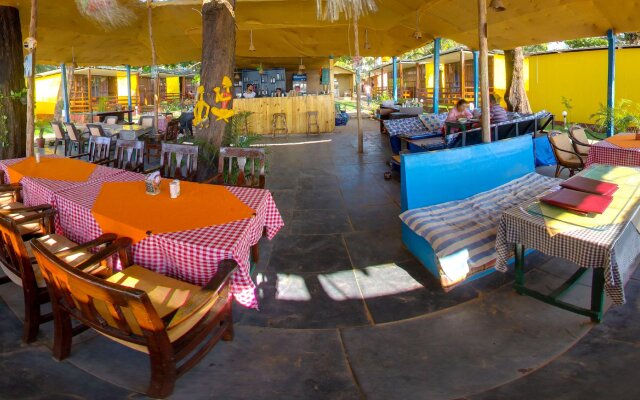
<point>19,266</point>
<point>186,154</point>
<point>129,155</point>
<point>147,121</point>
<point>76,139</point>
<point>580,140</point>
<point>566,156</point>
<point>99,150</point>
<point>154,141</point>
<point>132,307</point>
<point>61,137</point>
<point>234,171</point>
<point>96,130</point>
<point>111,119</point>
<point>173,130</point>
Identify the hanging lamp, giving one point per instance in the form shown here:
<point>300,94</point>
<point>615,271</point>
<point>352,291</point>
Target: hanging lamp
<point>301,67</point>
<point>417,34</point>
<point>497,5</point>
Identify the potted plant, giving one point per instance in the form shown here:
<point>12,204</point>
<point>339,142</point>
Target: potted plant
<point>41,126</point>
<point>625,116</point>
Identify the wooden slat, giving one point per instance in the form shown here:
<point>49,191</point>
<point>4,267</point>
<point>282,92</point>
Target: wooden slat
<point>295,108</point>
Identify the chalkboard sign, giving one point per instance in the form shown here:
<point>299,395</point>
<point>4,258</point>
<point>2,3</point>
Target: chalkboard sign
<point>324,78</point>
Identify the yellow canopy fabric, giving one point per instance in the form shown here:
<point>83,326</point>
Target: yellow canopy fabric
<point>290,28</point>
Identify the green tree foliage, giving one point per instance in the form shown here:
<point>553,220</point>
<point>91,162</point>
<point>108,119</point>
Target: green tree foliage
<point>586,42</point>
<point>536,48</point>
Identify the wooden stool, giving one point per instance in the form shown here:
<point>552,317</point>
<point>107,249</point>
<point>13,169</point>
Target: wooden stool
<point>312,121</point>
<point>280,117</point>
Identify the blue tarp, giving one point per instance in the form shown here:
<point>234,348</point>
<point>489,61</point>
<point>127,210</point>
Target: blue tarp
<point>543,152</point>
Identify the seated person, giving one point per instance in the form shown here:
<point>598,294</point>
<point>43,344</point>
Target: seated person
<point>496,112</point>
<point>249,93</point>
<point>461,110</point>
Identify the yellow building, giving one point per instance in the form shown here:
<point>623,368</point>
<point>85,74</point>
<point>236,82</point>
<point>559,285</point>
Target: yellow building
<point>415,77</point>
<point>581,77</point>
<point>108,88</point>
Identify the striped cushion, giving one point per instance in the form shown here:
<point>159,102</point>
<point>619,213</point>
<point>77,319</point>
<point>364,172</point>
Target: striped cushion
<point>463,232</point>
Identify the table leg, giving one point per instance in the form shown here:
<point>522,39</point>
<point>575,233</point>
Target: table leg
<point>519,268</point>
<point>597,294</point>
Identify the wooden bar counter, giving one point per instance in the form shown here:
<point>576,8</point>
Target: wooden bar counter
<point>295,108</point>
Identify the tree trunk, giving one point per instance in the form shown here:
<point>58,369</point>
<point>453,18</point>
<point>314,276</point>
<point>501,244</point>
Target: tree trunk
<point>518,100</point>
<point>218,59</point>
<point>508,72</point>
<point>11,79</point>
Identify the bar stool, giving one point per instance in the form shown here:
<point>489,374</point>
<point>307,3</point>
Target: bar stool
<point>280,117</point>
<point>312,122</point>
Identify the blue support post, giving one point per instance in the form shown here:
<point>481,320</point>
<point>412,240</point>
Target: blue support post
<point>436,75</point>
<point>611,78</point>
<point>129,103</point>
<point>65,91</point>
<point>476,77</point>
<point>395,79</point>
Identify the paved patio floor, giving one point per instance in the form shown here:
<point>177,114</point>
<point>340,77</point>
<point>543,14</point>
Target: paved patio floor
<point>346,312</point>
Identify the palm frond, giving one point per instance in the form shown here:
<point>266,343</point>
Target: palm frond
<point>330,10</point>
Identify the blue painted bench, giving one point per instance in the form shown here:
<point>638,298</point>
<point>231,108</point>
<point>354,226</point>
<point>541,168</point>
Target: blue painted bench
<point>436,183</point>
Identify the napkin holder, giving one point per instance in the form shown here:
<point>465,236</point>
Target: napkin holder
<point>152,183</point>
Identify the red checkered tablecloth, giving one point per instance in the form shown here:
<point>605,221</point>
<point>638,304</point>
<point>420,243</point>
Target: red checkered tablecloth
<point>192,255</point>
<point>37,191</point>
<point>604,152</point>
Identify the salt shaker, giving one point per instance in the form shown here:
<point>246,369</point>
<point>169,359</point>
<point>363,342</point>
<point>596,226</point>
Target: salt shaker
<point>174,189</point>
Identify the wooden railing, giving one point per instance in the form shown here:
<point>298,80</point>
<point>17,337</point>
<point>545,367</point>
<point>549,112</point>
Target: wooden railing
<point>80,104</point>
<point>448,95</point>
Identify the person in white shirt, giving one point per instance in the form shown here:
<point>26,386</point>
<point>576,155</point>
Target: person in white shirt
<point>249,93</point>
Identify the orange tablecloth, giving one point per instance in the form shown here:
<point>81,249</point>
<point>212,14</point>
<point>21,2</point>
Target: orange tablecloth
<point>624,140</point>
<point>61,169</point>
<point>124,208</point>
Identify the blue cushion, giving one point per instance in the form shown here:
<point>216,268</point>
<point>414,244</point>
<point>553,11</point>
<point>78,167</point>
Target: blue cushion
<point>404,126</point>
<point>436,177</point>
<point>432,122</point>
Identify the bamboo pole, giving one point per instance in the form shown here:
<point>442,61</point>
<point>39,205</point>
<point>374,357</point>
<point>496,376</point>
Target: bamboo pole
<point>31,81</point>
<point>154,71</point>
<point>484,69</point>
<point>89,96</point>
<point>462,75</point>
<point>358,86</point>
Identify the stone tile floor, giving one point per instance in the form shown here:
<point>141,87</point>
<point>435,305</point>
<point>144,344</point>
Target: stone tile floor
<point>346,312</point>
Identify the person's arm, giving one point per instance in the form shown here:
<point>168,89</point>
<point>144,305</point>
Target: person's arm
<point>451,117</point>
<point>468,114</point>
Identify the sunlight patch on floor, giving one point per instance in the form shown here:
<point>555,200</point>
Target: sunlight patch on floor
<point>292,143</point>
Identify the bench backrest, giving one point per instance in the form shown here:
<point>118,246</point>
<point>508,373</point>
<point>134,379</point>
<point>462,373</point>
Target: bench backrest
<point>403,126</point>
<point>436,177</point>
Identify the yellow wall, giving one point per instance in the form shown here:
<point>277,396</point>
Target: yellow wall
<point>428,71</point>
<point>47,94</point>
<point>582,77</point>
<point>122,84</point>
<point>173,84</point>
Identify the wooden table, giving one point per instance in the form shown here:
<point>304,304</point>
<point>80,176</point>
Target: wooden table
<point>608,244</point>
<point>604,152</point>
<point>131,132</point>
<point>120,114</point>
